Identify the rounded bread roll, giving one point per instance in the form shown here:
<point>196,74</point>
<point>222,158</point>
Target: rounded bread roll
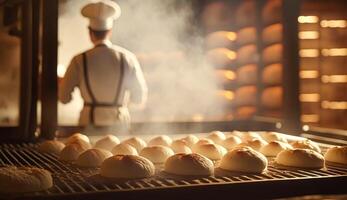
<point>221,57</point>
<point>180,146</point>
<point>272,97</point>
<point>245,136</point>
<point>77,136</point>
<point>124,149</point>
<point>247,55</point>
<point>71,152</point>
<point>203,141</point>
<point>246,35</point>
<point>273,148</point>
<point>107,142</point>
<point>189,165</point>
<point>24,179</point>
<point>247,74</point>
<point>136,142</point>
<point>217,137</point>
<point>337,155</point>
<point>300,158</point>
<point>231,142</point>
<point>51,146</point>
<point>127,167</point>
<point>272,74</point>
<point>81,143</point>
<point>211,151</point>
<point>191,140</point>
<point>244,159</point>
<point>220,39</point>
<point>272,34</point>
<point>92,157</point>
<point>255,144</point>
<point>163,140</point>
<point>246,95</point>
<point>245,112</point>
<point>306,144</point>
<point>273,136</point>
<point>157,154</point>
<point>272,54</point>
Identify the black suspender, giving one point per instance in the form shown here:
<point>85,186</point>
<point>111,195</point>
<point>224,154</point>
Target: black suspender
<point>94,102</point>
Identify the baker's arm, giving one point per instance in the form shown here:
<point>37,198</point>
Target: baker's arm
<point>137,86</point>
<point>69,82</point>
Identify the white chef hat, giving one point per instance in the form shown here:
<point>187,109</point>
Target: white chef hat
<point>101,14</point>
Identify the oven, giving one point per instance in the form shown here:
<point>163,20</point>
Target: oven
<point>252,65</point>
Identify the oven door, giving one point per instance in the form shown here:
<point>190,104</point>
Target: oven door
<point>19,29</point>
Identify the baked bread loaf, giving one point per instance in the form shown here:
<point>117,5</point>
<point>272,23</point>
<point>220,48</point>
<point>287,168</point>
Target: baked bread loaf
<point>51,146</point>
<point>191,140</point>
<point>107,142</point>
<point>231,142</point>
<point>163,140</point>
<point>273,148</point>
<point>250,135</point>
<point>92,157</point>
<point>336,155</point>
<point>247,35</point>
<point>272,34</point>
<point>246,14</point>
<point>272,12</point>
<point>272,97</point>
<point>136,142</point>
<point>221,57</point>
<point>157,154</point>
<point>300,158</point>
<point>217,137</point>
<point>244,159</point>
<point>255,144</point>
<point>211,151</point>
<point>71,152</point>
<point>273,136</point>
<point>272,54</point>
<point>77,136</point>
<point>272,74</point>
<point>220,39</point>
<point>24,179</point>
<point>247,55</point>
<point>124,149</point>
<point>245,112</point>
<point>189,165</point>
<point>203,141</point>
<point>180,146</point>
<point>247,74</point>
<point>127,167</point>
<point>306,144</point>
<point>246,95</point>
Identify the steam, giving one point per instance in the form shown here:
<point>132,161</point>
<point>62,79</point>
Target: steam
<point>171,52</point>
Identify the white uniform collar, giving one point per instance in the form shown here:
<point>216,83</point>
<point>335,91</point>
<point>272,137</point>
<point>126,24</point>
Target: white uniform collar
<point>108,43</point>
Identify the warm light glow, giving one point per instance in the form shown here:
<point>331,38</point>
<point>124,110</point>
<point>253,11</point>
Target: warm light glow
<point>231,55</point>
<point>305,128</point>
<point>308,19</point>
<point>229,95</point>
<point>309,74</point>
<point>231,36</point>
<point>313,97</point>
<point>308,35</point>
<point>198,117</point>
<point>61,69</point>
<point>334,105</point>
<point>310,53</point>
<point>229,75</point>
<point>334,78</point>
<point>278,125</point>
<point>334,52</point>
<point>310,118</point>
<point>333,23</point>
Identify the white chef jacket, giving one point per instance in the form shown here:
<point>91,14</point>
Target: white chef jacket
<point>104,73</point>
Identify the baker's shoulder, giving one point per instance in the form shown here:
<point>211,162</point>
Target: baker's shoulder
<point>125,52</point>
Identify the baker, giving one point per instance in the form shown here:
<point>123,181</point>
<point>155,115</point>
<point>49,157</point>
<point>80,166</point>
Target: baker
<point>108,76</point>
